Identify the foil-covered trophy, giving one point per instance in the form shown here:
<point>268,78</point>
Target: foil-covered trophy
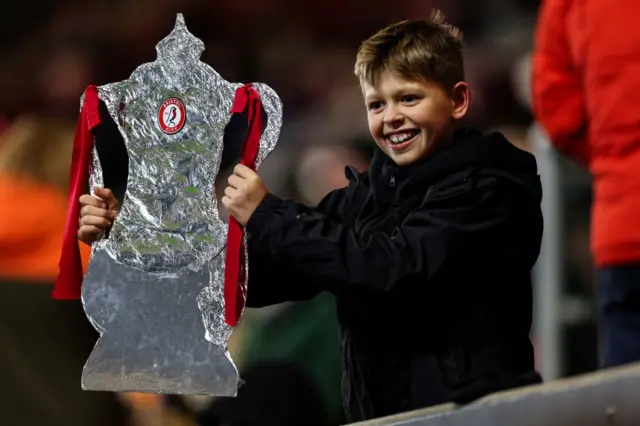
<point>166,285</point>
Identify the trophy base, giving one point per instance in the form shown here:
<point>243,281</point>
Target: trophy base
<point>176,378</point>
<point>152,334</point>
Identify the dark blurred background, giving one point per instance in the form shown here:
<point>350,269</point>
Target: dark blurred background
<point>304,50</point>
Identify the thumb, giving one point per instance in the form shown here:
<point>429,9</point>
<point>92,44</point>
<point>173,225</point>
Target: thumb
<point>107,196</point>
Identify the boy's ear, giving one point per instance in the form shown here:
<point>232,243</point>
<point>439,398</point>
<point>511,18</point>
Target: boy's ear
<point>461,98</point>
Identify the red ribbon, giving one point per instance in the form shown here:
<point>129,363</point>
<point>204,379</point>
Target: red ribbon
<point>69,281</point>
<point>235,290</point>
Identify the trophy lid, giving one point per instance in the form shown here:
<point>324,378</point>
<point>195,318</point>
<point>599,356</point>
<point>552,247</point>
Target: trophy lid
<point>180,43</point>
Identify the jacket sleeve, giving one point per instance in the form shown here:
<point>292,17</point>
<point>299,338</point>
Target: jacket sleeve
<point>558,95</point>
<point>335,255</point>
<point>272,279</point>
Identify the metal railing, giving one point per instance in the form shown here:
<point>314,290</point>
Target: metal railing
<point>548,272</point>
<point>604,398</point>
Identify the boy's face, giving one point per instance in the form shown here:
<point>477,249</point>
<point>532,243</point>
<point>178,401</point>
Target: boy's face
<point>409,119</point>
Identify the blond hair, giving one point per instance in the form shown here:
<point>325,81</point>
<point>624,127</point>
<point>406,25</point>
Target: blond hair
<point>428,49</point>
<point>38,149</point>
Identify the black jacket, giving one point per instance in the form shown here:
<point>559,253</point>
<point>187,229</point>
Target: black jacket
<point>430,266</point>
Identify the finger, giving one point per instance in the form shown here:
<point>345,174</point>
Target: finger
<point>88,232</point>
<point>230,192</point>
<point>107,196</point>
<point>90,200</point>
<point>97,221</point>
<point>95,211</point>
<point>226,202</point>
<point>236,181</point>
<point>243,171</point>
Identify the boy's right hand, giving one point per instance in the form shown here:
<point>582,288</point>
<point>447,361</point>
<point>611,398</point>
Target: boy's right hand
<point>97,214</point>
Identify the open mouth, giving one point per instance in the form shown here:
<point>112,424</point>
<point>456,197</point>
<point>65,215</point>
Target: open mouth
<point>401,140</point>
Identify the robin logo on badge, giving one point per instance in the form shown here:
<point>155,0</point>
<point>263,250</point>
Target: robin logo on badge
<point>172,116</point>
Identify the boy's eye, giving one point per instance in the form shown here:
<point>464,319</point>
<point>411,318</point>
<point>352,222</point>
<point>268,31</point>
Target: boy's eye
<point>408,99</point>
<point>375,105</point>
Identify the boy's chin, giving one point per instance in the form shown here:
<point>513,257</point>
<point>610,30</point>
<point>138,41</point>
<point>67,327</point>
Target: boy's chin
<point>406,158</point>
<point>403,160</point>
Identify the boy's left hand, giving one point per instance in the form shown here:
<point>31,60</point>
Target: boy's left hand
<point>244,193</point>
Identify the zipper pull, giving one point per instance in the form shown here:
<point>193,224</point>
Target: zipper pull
<point>429,191</point>
<point>392,181</point>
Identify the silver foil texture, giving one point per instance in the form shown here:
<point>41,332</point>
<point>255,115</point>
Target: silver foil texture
<point>154,286</point>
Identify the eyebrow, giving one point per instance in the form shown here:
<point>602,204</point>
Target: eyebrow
<point>370,98</point>
<point>413,89</point>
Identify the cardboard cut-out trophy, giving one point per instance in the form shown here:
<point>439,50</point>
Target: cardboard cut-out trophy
<point>166,285</point>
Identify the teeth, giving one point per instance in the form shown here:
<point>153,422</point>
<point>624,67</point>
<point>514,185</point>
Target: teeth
<point>401,137</point>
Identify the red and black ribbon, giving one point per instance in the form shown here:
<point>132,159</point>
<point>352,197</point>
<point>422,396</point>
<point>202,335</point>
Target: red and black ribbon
<point>235,274</point>
<point>69,281</point>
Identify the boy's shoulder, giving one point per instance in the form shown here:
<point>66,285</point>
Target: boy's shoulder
<point>485,156</point>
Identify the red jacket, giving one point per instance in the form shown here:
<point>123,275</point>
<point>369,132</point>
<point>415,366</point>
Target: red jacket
<point>32,220</point>
<point>586,94</point>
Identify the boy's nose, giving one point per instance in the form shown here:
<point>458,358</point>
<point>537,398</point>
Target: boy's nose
<point>392,116</point>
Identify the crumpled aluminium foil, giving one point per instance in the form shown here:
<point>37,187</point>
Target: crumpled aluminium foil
<point>154,287</point>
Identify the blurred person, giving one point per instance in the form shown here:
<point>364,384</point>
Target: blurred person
<point>517,135</point>
<point>18,94</point>
<point>34,168</point>
<point>44,345</point>
<point>3,126</point>
<point>321,170</point>
<point>585,84</point>
<point>276,393</point>
<point>62,79</point>
<point>302,338</point>
<point>428,253</point>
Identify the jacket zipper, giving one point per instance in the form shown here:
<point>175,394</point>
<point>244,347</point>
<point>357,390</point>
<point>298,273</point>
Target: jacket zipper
<point>429,191</point>
<point>392,180</point>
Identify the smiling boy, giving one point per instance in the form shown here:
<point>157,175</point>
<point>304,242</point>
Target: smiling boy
<point>428,253</point>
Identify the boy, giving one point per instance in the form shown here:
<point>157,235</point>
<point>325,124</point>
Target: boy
<point>428,254</point>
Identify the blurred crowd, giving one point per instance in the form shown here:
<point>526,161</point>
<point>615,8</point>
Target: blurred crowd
<point>305,51</point>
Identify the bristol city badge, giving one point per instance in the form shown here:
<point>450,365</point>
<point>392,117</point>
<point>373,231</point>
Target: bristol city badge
<point>171,116</point>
